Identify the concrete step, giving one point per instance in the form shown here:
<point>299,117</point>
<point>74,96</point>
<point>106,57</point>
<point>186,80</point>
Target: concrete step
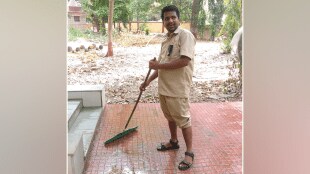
<point>85,125</point>
<point>85,106</point>
<point>74,108</point>
<point>91,95</point>
<point>75,154</point>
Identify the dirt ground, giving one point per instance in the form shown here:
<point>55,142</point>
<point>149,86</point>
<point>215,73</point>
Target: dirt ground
<point>215,78</point>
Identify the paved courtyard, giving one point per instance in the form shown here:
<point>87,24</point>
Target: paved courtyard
<point>217,141</point>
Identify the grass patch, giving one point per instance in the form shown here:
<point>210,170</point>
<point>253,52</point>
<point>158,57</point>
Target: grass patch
<point>74,34</point>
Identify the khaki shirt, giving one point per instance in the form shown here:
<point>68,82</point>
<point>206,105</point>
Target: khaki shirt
<point>177,82</point>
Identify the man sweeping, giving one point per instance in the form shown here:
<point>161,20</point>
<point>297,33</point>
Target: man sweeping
<point>174,70</point>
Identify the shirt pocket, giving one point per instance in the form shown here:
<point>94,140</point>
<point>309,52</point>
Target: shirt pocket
<point>175,53</point>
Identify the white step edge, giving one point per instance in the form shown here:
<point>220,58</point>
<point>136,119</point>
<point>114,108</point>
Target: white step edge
<point>74,108</point>
<point>75,154</point>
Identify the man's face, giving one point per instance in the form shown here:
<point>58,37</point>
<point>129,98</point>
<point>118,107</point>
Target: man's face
<point>171,21</point>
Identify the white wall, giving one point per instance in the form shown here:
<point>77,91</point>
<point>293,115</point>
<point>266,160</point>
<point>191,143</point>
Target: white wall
<point>33,87</point>
<point>276,87</point>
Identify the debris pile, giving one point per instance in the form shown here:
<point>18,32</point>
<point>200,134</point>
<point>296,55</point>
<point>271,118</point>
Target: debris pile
<point>215,78</point>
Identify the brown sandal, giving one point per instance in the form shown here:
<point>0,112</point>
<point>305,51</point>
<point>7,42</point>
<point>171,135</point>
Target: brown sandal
<point>184,165</point>
<point>163,147</point>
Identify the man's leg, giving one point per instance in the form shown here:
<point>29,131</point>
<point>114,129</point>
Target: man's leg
<point>173,134</point>
<point>173,131</point>
<point>172,124</point>
<point>187,134</point>
<point>179,109</point>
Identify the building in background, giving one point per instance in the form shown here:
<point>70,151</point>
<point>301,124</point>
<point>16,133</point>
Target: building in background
<point>76,16</point>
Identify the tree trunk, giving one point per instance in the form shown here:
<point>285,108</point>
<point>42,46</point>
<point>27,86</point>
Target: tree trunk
<point>96,23</point>
<point>194,18</point>
<point>104,30</point>
<point>216,11</point>
<point>110,23</point>
<point>162,28</point>
<point>119,27</point>
<point>137,21</point>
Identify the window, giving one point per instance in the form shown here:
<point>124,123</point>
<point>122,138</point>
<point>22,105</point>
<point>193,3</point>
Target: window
<point>76,18</point>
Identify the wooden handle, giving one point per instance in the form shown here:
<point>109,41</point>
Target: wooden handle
<point>134,108</point>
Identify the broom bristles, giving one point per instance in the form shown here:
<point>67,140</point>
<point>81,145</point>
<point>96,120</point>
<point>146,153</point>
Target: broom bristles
<point>120,135</point>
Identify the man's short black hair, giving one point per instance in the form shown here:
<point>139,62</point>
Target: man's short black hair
<point>170,8</point>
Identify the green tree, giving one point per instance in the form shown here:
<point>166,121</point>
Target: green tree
<point>97,11</point>
<point>194,18</point>
<point>232,22</point>
<point>139,9</point>
<point>190,11</point>
<point>184,6</point>
<point>121,11</point>
<point>202,17</point>
<point>214,16</point>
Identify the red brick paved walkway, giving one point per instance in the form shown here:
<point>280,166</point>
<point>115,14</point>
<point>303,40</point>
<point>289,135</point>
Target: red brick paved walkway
<point>217,141</point>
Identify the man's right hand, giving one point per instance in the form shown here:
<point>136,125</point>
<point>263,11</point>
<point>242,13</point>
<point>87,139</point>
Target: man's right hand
<point>144,85</point>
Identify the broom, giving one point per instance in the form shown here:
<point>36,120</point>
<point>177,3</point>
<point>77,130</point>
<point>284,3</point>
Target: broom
<point>126,132</point>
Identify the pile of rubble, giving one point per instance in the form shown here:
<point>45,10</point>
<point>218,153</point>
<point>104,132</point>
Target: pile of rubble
<point>215,77</point>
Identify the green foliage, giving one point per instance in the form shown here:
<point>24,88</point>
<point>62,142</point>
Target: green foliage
<point>74,34</point>
<point>99,9</point>
<point>198,18</point>
<point>146,10</point>
<point>139,10</point>
<point>226,45</point>
<point>133,10</point>
<point>147,31</point>
<point>201,23</point>
<point>121,11</point>
<point>232,21</point>
<point>144,27</point>
<point>184,6</point>
<point>215,14</point>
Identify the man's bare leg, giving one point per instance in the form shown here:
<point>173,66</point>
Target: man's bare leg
<point>187,134</point>
<point>173,132</point>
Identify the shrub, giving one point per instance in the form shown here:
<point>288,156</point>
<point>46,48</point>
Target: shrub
<point>147,31</point>
<point>74,34</point>
<point>232,22</point>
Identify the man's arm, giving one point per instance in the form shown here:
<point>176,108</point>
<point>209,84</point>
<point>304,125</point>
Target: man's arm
<point>149,80</point>
<point>153,76</point>
<point>175,64</point>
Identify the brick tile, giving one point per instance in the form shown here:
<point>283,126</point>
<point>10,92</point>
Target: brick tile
<point>217,141</point>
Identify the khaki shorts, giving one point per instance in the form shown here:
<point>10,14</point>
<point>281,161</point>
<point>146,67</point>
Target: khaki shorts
<point>176,109</point>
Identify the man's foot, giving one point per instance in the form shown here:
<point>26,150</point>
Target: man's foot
<point>187,162</point>
<point>172,145</point>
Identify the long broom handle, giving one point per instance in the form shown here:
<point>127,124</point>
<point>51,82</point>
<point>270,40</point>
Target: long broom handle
<point>134,108</point>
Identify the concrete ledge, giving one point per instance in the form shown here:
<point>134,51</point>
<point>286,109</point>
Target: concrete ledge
<point>85,125</point>
<point>75,154</point>
<point>91,95</point>
<point>74,108</point>
<point>90,88</point>
<point>80,136</point>
<point>81,131</point>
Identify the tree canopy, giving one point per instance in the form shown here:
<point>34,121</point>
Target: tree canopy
<point>232,22</point>
<point>190,11</point>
